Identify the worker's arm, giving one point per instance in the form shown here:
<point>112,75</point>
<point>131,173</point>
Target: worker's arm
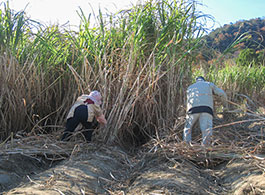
<point>101,119</point>
<point>222,94</point>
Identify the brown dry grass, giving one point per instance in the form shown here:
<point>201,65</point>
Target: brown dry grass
<point>164,165</point>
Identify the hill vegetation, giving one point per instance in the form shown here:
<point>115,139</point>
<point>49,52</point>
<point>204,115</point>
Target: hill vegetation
<point>245,37</point>
<point>252,31</point>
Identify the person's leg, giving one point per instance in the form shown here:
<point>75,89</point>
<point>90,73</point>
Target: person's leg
<point>206,125</point>
<point>88,131</point>
<point>190,121</point>
<point>88,126</point>
<point>71,125</point>
<point>80,115</point>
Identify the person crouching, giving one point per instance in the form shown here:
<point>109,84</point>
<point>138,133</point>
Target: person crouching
<point>83,111</point>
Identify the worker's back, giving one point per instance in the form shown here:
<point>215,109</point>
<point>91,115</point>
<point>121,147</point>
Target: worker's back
<point>92,108</point>
<point>200,94</point>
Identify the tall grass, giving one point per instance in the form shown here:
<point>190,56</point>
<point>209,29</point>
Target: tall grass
<point>237,80</point>
<point>140,59</point>
<point>32,68</point>
<point>143,72</point>
<point>12,27</point>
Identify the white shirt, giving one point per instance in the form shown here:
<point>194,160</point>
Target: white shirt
<point>201,94</point>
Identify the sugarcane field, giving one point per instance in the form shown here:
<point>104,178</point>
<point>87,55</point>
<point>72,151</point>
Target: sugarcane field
<point>142,103</point>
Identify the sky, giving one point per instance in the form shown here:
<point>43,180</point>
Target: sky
<point>231,11</point>
<point>65,11</point>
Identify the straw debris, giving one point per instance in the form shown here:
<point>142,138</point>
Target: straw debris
<point>235,164</point>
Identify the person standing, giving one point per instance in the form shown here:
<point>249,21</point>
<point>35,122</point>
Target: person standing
<point>200,107</point>
<point>84,110</point>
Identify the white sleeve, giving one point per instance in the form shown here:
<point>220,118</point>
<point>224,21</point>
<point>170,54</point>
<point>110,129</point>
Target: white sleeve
<point>219,92</point>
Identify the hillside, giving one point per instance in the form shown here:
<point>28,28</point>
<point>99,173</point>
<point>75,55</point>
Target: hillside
<point>252,30</point>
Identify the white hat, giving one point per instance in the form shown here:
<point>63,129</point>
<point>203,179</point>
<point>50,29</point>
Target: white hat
<point>95,96</point>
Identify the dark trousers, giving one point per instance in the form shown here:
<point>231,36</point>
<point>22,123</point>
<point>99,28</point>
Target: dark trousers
<point>80,116</point>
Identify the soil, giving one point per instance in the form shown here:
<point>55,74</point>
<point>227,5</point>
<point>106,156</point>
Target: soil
<point>100,169</point>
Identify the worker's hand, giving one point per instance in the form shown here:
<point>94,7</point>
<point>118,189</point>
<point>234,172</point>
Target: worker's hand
<point>101,119</point>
